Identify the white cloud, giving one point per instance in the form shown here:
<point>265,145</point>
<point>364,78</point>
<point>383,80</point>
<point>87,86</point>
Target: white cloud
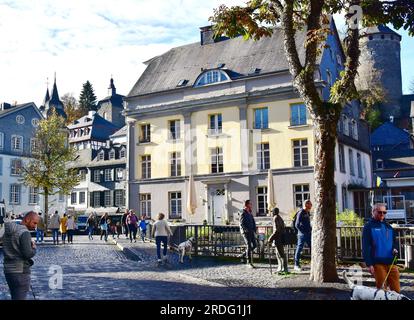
<point>89,40</point>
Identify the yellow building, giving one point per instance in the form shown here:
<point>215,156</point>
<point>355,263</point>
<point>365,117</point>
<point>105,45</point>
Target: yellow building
<point>226,112</point>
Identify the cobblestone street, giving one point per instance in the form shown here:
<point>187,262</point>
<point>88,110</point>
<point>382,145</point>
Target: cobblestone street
<point>98,270</point>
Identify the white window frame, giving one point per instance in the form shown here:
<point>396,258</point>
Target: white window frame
<point>20,119</point>
<point>351,162</point>
<point>108,198</point>
<point>175,164</point>
<point>217,159</point>
<point>108,175</point>
<point>174,129</point>
<point>101,156</point>
<point>303,193</point>
<point>122,153</point>
<point>82,174</point>
<point>261,198</point>
<point>15,193</point>
<point>214,125</point>
<point>96,196</point>
<point>175,202</point>
<point>35,122</point>
<point>303,152</point>
<point>146,166</point>
<point>111,154</point>
<point>1,140</point>
<point>16,141</point>
<point>145,204</point>
<point>33,195</point>
<point>120,172</point>
<point>355,130</point>
<point>16,170</point>
<point>73,198</point>
<point>341,154</point>
<point>145,133</point>
<point>210,77</point>
<point>359,165</point>
<point>263,156</point>
<point>97,175</point>
<point>345,125</point>
<point>82,197</point>
<point>119,198</point>
<point>33,145</point>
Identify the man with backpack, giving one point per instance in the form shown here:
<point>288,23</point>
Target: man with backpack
<point>303,227</point>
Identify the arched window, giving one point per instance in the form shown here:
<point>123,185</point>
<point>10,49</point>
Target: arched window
<point>211,76</point>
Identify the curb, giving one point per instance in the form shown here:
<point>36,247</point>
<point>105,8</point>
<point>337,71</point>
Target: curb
<point>130,254</point>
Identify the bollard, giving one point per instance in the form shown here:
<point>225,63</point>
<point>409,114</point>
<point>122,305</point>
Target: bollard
<point>409,256</point>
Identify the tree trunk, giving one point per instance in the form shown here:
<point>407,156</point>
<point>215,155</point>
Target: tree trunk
<point>323,260</point>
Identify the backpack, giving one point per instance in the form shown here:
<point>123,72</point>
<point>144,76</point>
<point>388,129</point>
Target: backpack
<point>294,221</point>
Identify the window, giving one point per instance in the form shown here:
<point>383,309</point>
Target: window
<point>120,174</point>
<point>351,128</point>
<point>82,175</point>
<point>175,164</point>
<point>145,133</point>
<point>16,167</point>
<point>344,198</point>
<point>1,191</point>
<point>354,130</point>
<point>17,143</point>
<point>341,152</point>
<point>145,201</point>
<point>1,140</point>
<point>34,145</point>
<point>101,156</point>
<point>300,194</point>
<point>82,197</point>
<point>61,197</point>
<point>96,199</point>
<point>1,168</point>
<point>119,198</point>
<point>112,154</point>
<point>122,154</point>
<point>297,114</point>
<point>217,160</point>
<point>108,174</point>
<point>262,201</point>
<point>175,205</point>
<point>146,167</point>
<point>33,195</point>
<point>329,77</point>
<point>263,156</point>
<point>97,176</point>
<point>108,198</point>
<point>351,162</point>
<point>174,126</point>
<point>15,194</point>
<point>211,76</point>
<point>359,164</point>
<point>35,122</point>
<point>20,119</point>
<point>261,118</point>
<point>380,164</point>
<point>73,198</point>
<point>345,125</point>
<point>300,153</point>
<point>216,123</point>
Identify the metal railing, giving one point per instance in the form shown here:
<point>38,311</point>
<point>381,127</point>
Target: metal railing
<point>226,240</point>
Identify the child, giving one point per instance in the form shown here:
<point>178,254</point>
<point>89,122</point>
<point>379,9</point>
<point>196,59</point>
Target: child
<point>143,228</point>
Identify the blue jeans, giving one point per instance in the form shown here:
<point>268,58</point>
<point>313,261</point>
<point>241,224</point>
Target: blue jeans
<point>39,235</point>
<point>90,233</point>
<point>143,234</point>
<point>19,285</point>
<point>302,239</point>
<point>55,235</point>
<point>164,240</point>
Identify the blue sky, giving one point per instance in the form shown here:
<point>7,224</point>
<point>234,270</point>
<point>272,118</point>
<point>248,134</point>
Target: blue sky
<point>93,39</point>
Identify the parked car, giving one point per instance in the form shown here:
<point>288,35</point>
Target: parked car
<point>82,226</point>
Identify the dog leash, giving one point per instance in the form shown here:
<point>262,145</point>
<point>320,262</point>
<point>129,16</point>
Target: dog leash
<point>385,280</point>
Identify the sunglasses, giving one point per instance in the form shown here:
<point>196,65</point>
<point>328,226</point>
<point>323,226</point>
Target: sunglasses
<point>382,212</point>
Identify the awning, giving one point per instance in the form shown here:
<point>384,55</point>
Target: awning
<point>101,210</point>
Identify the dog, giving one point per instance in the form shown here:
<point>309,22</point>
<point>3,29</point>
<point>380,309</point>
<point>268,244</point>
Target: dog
<point>367,293</point>
<point>185,248</point>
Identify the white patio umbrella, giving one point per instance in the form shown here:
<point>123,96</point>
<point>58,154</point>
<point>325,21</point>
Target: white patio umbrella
<point>271,199</point>
<point>191,197</point>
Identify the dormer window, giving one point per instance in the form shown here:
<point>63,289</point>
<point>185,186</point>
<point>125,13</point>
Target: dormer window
<point>101,156</point>
<point>122,153</point>
<point>380,164</point>
<point>212,76</point>
<point>112,154</point>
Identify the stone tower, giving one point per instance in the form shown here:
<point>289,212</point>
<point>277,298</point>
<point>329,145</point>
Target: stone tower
<point>380,63</point>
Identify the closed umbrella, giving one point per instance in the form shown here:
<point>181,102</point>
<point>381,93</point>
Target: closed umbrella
<point>271,199</point>
<point>191,196</point>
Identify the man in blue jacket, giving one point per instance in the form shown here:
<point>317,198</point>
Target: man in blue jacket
<point>303,225</point>
<point>379,246</point>
<point>248,231</point>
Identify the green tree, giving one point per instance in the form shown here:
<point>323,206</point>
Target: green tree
<point>48,170</point>
<point>87,98</point>
<point>71,107</point>
<point>257,19</point>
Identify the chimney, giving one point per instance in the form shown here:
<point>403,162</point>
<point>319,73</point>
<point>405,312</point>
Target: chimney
<point>91,113</point>
<point>5,106</point>
<point>207,34</point>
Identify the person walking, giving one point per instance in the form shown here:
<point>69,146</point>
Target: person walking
<point>63,229</point>
<point>18,251</point>
<point>54,225</point>
<point>70,227</point>
<point>91,226</point>
<point>248,231</point>
<point>103,225</point>
<point>161,230</point>
<point>379,248</point>
<point>277,237</point>
<point>124,222</point>
<point>143,228</point>
<point>40,229</point>
<point>132,222</point>
<point>118,229</point>
<point>303,225</point>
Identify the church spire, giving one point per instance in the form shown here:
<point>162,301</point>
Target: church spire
<point>111,89</point>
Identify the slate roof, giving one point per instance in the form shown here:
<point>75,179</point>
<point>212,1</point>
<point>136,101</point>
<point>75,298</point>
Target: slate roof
<point>389,135</point>
<point>121,132</point>
<point>101,128</point>
<point>395,159</point>
<point>378,29</point>
<point>17,108</point>
<point>240,57</point>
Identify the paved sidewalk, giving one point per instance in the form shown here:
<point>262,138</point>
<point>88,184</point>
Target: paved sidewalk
<point>231,273</point>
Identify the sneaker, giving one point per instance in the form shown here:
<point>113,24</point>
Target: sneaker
<point>159,261</point>
<point>297,268</point>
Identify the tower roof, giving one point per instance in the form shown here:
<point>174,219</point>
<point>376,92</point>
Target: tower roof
<point>380,29</point>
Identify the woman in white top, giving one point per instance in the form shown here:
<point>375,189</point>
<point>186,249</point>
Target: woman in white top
<point>161,230</point>
<point>70,227</point>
